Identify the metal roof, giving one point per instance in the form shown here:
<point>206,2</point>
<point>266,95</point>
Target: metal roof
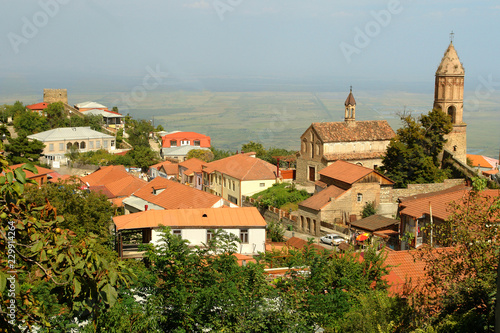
<point>69,134</point>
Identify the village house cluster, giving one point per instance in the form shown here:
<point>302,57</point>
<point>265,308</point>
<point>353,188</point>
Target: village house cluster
<point>337,163</point>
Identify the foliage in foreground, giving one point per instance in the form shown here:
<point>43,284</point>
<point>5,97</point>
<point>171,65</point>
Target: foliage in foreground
<point>279,195</point>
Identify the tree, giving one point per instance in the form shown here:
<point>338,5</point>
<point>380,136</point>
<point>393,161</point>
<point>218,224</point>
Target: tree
<point>220,154</point>
<point>201,154</point>
<point>143,157</point>
<point>369,209</point>
<point>138,132</point>
<point>54,274</point>
<point>255,147</point>
<point>23,150</point>
<point>159,128</point>
<point>412,156</point>
<point>27,122</point>
<point>56,116</point>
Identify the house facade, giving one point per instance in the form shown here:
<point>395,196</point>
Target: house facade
<point>177,145</point>
<point>360,142</point>
<point>60,141</point>
<point>239,175</point>
<point>191,173</point>
<point>196,225</point>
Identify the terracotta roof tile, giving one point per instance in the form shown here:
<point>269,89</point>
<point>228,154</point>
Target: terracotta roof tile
<point>321,199</point>
<point>157,166</point>
<point>370,130</point>
<point>174,195</point>
<point>202,218</point>
<point>374,222</point>
<point>170,169</point>
<point>38,106</point>
<point>346,172</point>
<point>481,161</point>
<point>193,165</point>
<point>29,174</point>
<point>116,180</point>
<point>299,243</point>
<point>243,167</point>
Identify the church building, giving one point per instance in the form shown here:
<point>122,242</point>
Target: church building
<point>449,97</point>
<point>360,142</point>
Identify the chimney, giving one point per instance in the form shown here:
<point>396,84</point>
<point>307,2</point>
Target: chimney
<point>145,207</point>
<point>278,168</point>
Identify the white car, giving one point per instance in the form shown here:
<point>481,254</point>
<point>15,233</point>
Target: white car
<point>332,239</point>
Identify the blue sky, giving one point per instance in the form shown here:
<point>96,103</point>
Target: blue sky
<point>115,41</point>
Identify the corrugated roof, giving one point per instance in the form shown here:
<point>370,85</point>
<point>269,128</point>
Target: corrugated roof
<point>374,222</point>
<point>173,195</point>
<point>246,217</point>
<point>104,113</point>
<point>321,199</point>
<point>69,133</point>
<point>89,105</point>
<point>346,172</point>
<point>243,167</point>
<point>370,130</point>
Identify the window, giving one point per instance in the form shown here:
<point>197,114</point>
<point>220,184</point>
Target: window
<point>210,234</point>
<point>262,184</point>
<point>185,143</point>
<point>173,143</point>
<point>82,145</point>
<point>98,144</point>
<point>68,146</point>
<point>232,199</point>
<point>91,144</point>
<point>360,197</point>
<point>197,143</point>
<point>61,146</point>
<point>224,182</point>
<point>244,236</point>
<point>177,232</point>
<point>112,143</point>
<point>233,185</point>
<point>105,143</point>
<point>51,147</point>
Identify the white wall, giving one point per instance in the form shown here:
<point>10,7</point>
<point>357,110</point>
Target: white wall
<point>256,238</point>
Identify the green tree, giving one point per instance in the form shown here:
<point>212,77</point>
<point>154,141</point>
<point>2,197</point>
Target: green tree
<point>255,147</point>
<point>201,154</point>
<point>369,209</point>
<point>143,157</point>
<point>56,116</point>
<point>220,153</point>
<point>23,150</point>
<point>412,155</point>
<point>138,132</point>
<point>27,122</point>
<point>54,274</point>
<point>159,128</point>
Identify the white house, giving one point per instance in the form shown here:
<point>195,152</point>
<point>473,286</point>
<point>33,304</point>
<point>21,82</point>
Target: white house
<point>195,225</point>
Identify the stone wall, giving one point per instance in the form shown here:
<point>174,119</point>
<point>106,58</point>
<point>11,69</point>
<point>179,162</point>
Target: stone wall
<point>273,214</point>
<point>302,173</point>
<point>55,95</point>
<point>390,195</point>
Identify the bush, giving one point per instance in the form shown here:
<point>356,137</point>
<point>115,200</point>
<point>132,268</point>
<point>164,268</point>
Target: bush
<point>279,195</point>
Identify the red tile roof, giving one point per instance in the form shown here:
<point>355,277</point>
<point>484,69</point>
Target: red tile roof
<point>116,180</point>
<point>371,130</point>
<point>29,174</point>
<point>299,243</point>
<point>186,136</point>
<point>480,161</point>
<point>157,166</point>
<point>321,199</point>
<point>175,195</point>
<point>243,167</point>
<point>193,165</point>
<point>346,172</point>
<point>439,201</point>
<point>248,217</point>
<point>170,169</point>
<point>38,106</point>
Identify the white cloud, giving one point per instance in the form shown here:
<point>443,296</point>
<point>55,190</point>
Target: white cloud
<point>202,4</point>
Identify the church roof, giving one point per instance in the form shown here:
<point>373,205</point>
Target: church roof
<point>368,130</point>
<point>350,99</point>
<point>450,64</point>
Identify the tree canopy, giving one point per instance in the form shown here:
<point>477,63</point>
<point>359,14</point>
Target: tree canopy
<point>412,156</point>
<point>23,150</point>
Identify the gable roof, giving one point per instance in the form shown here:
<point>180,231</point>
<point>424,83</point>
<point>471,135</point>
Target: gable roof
<point>115,179</point>
<point>104,113</point>
<point>69,133</point>
<point>207,218</point>
<point>29,174</point>
<point>374,222</point>
<point>89,105</point>
<point>322,198</point>
<point>38,106</point>
<point>157,166</point>
<point>170,169</point>
<point>243,167</point>
<point>369,130</point>
<point>193,165</point>
<point>174,195</point>
<point>346,172</point>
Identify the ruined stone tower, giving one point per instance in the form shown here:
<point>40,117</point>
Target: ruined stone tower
<point>449,97</point>
<point>55,95</point>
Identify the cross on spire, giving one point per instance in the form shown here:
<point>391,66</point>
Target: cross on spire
<point>351,88</point>
<point>451,36</point>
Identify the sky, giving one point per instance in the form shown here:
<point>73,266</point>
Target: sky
<point>197,44</point>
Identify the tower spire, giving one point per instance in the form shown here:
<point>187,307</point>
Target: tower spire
<point>451,36</point>
<point>350,107</point>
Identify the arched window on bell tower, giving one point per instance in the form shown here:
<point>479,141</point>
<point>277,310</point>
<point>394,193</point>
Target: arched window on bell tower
<point>452,112</point>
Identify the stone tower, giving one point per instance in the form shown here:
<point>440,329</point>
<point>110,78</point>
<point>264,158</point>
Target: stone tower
<point>449,97</point>
<point>350,108</point>
<point>55,95</point>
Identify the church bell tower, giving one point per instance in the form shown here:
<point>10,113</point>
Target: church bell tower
<point>350,108</point>
<point>449,98</point>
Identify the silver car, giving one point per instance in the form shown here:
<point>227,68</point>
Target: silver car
<point>332,239</point>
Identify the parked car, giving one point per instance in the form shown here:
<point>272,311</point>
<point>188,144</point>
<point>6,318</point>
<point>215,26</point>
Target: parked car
<point>332,239</point>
